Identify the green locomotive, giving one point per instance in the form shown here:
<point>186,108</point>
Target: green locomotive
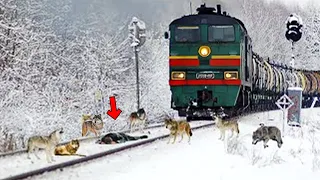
<point>210,63</point>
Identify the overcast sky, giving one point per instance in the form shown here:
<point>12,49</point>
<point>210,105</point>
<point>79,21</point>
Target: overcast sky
<point>300,2</point>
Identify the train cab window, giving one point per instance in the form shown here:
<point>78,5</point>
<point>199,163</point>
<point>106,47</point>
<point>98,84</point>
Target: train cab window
<point>221,33</point>
<point>187,34</point>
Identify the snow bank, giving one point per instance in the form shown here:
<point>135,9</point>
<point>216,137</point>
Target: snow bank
<point>209,158</point>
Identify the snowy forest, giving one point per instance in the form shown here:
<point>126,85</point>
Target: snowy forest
<point>55,55</point>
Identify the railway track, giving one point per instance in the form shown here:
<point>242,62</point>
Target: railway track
<point>96,155</point>
<point>81,139</point>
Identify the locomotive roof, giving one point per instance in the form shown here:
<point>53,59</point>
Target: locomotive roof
<point>198,19</point>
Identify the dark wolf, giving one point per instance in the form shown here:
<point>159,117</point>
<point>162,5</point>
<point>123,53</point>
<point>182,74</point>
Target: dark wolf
<point>93,124</point>
<point>115,138</point>
<point>138,119</point>
<point>265,133</point>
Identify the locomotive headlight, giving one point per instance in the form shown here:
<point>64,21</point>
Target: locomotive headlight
<point>231,75</point>
<point>178,75</point>
<point>204,51</point>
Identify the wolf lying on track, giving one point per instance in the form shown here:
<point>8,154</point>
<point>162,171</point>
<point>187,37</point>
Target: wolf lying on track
<point>115,138</point>
<point>265,133</point>
<point>177,128</point>
<point>69,149</point>
<point>44,142</point>
<point>93,124</point>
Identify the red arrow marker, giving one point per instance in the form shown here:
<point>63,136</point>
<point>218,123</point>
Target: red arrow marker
<point>113,112</point>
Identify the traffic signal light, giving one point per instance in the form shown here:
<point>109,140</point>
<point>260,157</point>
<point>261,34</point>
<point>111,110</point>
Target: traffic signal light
<point>294,25</point>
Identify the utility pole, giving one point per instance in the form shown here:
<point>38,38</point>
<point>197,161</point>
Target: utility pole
<point>137,37</point>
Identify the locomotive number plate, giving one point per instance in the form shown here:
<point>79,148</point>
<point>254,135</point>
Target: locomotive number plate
<point>205,75</point>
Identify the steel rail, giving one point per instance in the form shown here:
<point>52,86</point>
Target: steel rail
<point>92,157</point>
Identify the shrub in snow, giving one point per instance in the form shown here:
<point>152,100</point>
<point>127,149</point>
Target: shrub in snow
<point>237,146</point>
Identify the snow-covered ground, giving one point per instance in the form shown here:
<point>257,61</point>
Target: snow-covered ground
<point>209,158</point>
<point>19,163</point>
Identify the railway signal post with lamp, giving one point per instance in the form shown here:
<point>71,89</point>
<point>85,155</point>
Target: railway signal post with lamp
<point>294,34</point>
<point>137,36</point>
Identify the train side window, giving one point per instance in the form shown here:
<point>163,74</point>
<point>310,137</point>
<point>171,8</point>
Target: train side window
<point>187,34</point>
<point>246,45</point>
<point>221,33</point>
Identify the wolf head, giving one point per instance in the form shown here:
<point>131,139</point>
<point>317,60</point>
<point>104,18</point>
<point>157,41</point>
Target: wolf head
<point>168,123</point>
<point>256,136</point>
<point>57,132</point>
<point>75,143</point>
<point>56,135</point>
<point>141,113</point>
<point>97,117</point>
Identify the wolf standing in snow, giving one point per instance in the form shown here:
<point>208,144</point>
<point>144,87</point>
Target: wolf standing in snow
<point>44,142</point>
<point>265,133</point>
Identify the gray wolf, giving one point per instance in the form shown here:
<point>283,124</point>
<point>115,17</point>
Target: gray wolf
<point>265,133</point>
<point>115,138</point>
<point>44,142</point>
<point>69,149</point>
<point>178,128</point>
<point>91,124</point>
<point>224,125</point>
<point>138,119</point>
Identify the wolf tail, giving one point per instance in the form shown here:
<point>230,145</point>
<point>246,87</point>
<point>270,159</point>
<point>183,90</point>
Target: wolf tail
<point>238,131</point>
<point>190,132</point>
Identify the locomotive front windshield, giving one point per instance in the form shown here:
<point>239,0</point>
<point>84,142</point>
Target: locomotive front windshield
<point>187,34</point>
<point>221,33</point>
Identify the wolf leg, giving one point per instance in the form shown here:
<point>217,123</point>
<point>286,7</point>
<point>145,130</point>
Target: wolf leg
<point>95,132</point>
<point>223,135</point>
<point>169,139</point>
<point>174,139</point>
<point>36,150</point>
<point>84,129</point>
<point>52,154</point>
<point>220,134</point>
<point>231,133</point>
<point>279,141</point>
<point>48,155</point>
<point>133,127</point>
<point>141,127</point>
<point>265,141</point>
<point>30,150</point>
<point>181,137</point>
